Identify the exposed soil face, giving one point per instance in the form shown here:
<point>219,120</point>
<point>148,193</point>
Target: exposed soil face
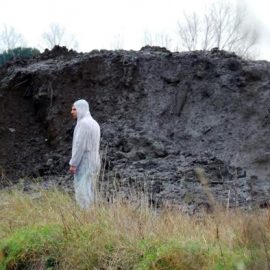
<point>162,114</point>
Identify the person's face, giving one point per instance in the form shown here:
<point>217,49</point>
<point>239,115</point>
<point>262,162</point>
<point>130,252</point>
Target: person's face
<point>73,112</point>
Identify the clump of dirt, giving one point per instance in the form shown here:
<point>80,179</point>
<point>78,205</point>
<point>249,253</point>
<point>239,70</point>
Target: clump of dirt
<point>162,114</point>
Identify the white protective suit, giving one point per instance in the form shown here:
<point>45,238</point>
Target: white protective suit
<point>85,154</point>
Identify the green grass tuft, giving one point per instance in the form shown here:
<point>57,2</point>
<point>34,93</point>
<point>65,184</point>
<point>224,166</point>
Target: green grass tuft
<point>31,246</point>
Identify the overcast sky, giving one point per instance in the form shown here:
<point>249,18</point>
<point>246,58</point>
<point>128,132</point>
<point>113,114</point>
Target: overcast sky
<point>102,24</point>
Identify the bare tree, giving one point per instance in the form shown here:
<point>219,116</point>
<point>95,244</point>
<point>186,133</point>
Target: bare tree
<point>189,32</point>
<point>117,42</point>
<point>57,35</point>
<point>10,39</point>
<point>158,39</point>
<point>223,25</point>
<point>148,40</point>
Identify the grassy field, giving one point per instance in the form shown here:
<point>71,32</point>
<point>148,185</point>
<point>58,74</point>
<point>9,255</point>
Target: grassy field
<point>45,230</point>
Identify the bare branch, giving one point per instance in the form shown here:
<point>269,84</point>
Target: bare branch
<point>10,39</point>
<point>189,31</point>
<point>118,42</point>
<point>57,35</point>
<point>148,39</point>
<point>158,39</point>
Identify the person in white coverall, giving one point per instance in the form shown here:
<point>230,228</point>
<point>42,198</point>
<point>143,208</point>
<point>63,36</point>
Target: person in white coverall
<point>85,160</point>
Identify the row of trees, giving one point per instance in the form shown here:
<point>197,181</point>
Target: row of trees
<point>13,45</point>
<point>222,25</point>
<point>18,52</point>
<point>56,35</point>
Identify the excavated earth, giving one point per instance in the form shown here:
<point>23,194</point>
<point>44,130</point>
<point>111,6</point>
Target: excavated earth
<point>162,115</point>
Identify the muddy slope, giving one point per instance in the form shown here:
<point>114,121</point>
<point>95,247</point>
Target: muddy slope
<point>162,115</point>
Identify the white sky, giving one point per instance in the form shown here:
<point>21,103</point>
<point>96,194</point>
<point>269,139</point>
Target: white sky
<point>100,24</point>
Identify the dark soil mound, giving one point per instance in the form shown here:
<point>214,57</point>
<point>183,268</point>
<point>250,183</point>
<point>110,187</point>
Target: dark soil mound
<point>162,114</point>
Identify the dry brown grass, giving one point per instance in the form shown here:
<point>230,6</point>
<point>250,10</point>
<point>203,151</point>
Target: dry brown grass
<point>122,235</point>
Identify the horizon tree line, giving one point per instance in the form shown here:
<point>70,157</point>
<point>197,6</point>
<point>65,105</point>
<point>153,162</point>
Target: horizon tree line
<point>222,25</point>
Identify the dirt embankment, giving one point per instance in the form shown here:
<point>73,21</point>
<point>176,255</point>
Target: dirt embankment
<point>162,114</point>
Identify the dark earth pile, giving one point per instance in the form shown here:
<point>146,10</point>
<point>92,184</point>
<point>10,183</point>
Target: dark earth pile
<point>162,114</point>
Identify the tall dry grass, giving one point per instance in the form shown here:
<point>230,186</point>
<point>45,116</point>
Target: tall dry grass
<point>46,230</point>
